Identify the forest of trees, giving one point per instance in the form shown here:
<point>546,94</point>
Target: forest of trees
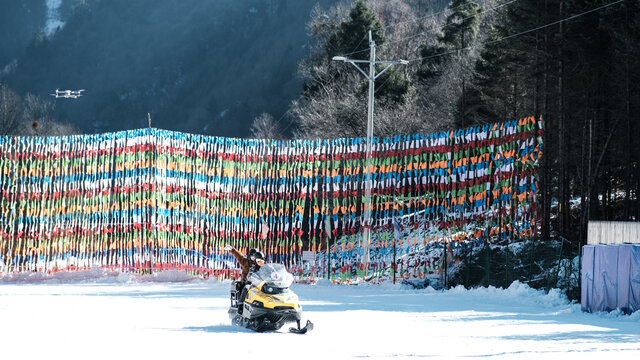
<point>575,63</point>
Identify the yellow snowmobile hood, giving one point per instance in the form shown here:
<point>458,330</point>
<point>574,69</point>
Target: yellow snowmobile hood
<point>271,301</point>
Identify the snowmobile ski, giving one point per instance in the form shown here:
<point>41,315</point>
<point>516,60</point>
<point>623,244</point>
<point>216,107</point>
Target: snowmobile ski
<point>304,330</point>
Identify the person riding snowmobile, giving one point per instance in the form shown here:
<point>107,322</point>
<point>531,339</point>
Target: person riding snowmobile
<point>249,264</point>
<point>269,301</point>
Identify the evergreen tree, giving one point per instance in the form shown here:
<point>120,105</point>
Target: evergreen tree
<point>485,91</point>
<point>392,86</point>
<point>352,39</point>
<point>352,36</point>
<point>432,61</point>
<point>461,25</point>
<point>458,32</point>
<point>507,70</point>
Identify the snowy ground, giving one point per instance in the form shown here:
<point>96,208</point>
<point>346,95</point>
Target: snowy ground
<point>127,317</point>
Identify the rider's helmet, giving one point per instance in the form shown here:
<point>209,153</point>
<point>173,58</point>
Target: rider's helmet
<point>252,253</point>
<point>259,257</point>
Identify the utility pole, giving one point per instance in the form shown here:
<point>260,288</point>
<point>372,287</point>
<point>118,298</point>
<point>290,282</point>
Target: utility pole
<point>150,252</point>
<point>372,76</point>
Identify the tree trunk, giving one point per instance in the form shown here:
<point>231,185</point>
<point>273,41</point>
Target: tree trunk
<point>536,93</point>
<point>563,206</point>
<point>627,192</point>
<point>583,185</point>
<point>462,105</point>
<point>463,88</point>
<point>611,201</point>
<point>514,114</point>
<point>538,112</point>
<point>637,191</point>
<point>546,186</point>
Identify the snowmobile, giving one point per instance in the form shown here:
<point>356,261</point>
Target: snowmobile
<point>269,303</point>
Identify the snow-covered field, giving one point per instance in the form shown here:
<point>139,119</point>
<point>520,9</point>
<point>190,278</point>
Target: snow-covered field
<point>130,317</point>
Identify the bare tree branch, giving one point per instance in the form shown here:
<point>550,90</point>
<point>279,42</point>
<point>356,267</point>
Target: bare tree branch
<point>10,111</point>
<point>265,127</point>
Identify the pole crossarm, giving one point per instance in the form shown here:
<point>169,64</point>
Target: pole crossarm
<point>395,62</point>
<point>353,62</point>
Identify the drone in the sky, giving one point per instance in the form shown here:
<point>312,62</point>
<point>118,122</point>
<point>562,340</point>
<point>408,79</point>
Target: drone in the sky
<point>68,94</point>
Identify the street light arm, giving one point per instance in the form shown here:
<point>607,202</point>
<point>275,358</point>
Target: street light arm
<point>353,62</point>
<point>382,62</point>
<point>396,62</point>
<point>358,61</point>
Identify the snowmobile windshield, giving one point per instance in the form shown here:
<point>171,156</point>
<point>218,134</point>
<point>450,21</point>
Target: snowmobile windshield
<point>275,274</point>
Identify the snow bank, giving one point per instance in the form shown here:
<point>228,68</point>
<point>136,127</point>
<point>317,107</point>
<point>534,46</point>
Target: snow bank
<point>102,276</point>
<point>516,293</point>
<point>522,292</point>
<point>91,275</point>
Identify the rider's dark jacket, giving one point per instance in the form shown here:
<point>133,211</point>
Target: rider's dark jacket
<point>245,263</point>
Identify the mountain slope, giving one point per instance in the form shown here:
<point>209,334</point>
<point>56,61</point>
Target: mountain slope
<point>197,66</point>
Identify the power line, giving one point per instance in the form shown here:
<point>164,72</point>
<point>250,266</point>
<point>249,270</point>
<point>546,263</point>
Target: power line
<point>354,49</point>
<point>518,34</point>
<point>507,37</point>
<point>388,26</point>
<point>276,123</point>
<point>443,27</point>
<point>428,16</point>
<point>290,122</point>
<point>412,36</point>
<point>401,22</point>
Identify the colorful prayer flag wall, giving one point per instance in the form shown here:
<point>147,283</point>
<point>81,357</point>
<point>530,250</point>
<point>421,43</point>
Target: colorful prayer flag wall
<point>150,199</point>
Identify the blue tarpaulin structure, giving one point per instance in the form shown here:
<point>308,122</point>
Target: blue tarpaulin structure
<point>611,277</point>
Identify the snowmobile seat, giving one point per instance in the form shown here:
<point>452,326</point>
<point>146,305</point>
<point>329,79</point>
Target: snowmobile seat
<point>236,289</point>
